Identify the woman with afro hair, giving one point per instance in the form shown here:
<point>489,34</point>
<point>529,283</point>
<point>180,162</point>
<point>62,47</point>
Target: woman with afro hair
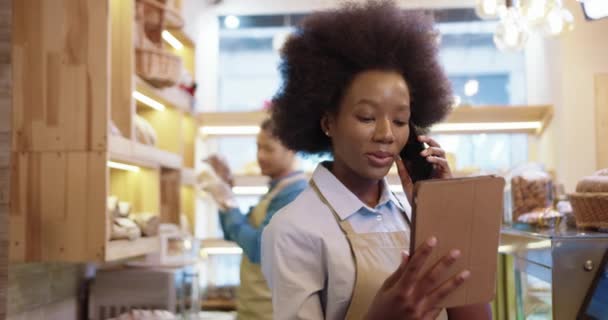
<point>358,82</point>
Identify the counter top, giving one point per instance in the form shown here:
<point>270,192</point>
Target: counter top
<point>561,233</point>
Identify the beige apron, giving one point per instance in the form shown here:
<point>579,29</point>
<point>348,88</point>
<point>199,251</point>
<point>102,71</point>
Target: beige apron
<point>254,300</point>
<point>376,255</point>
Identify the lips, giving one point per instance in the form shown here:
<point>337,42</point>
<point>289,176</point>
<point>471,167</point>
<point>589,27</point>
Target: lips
<point>380,159</point>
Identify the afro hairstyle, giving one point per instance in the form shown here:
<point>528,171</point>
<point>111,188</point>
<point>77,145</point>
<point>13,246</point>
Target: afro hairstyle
<point>329,48</point>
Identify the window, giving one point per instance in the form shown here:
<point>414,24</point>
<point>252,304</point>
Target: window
<point>480,75</point>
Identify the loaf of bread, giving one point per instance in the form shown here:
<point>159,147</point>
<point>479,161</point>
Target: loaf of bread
<point>594,183</point>
<point>603,172</point>
<point>144,132</point>
<point>125,229</point>
<point>146,315</point>
<point>148,223</point>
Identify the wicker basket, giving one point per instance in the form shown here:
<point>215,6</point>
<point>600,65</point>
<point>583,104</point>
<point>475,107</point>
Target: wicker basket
<point>590,209</point>
<point>152,63</point>
<point>158,67</point>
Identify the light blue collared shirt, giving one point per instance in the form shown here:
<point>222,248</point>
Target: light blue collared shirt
<point>306,258</point>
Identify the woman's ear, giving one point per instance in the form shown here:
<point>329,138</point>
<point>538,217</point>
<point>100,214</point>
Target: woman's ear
<point>326,124</point>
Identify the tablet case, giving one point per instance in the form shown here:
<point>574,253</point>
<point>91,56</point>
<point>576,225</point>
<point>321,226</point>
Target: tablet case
<point>464,214</point>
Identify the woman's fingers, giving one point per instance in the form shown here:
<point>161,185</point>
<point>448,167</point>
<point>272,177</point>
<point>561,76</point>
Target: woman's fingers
<point>437,295</point>
<point>438,161</point>
<point>431,279</point>
<point>430,141</point>
<point>433,151</point>
<point>411,274</point>
<point>406,180</point>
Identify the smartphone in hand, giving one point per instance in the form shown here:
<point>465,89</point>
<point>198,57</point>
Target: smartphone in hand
<point>417,166</point>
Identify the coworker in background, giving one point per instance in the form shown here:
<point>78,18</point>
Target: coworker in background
<point>358,81</point>
<point>277,162</point>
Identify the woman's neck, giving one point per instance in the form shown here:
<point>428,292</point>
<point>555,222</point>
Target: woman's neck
<point>367,190</point>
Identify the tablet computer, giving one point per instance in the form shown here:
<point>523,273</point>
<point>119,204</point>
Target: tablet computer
<point>464,214</point>
<point>595,305</point>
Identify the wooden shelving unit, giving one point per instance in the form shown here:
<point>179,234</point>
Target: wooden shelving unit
<point>65,100</point>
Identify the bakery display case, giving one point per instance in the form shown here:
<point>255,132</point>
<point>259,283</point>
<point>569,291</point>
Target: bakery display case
<point>547,272</point>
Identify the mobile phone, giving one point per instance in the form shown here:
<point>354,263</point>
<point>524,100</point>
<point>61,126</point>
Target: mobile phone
<point>417,166</point>
<point>595,306</point>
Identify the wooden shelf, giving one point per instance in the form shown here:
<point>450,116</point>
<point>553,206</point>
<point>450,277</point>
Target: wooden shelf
<point>123,249</point>
<point>172,97</point>
<point>541,114</point>
<point>137,153</point>
<point>253,118</point>
<point>59,212</point>
<point>480,116</point>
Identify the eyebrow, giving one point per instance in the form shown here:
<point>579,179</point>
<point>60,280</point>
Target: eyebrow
<point>367,101</point>
<point>375,104</point>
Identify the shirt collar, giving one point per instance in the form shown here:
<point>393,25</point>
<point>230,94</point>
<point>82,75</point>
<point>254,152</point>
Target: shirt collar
<point>343,200</point>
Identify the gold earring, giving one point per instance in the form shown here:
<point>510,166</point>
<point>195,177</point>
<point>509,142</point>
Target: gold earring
<point>327,133</point>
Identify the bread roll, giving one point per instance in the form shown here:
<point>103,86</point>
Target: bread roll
<point>597,183</point>
<point>603,172</point>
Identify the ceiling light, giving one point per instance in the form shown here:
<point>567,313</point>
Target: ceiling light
<point>222,250</point>
<point>536,10</point>
<point>148,101</point>
<point>122,166</point>
<point>250,190</point>
<point>457,101</point>
<point>488,9</point>
<point>230,130</point>
<point>232,22</point>
<point>176,44</point>
<point>512,31</point>
<point>471,88</point>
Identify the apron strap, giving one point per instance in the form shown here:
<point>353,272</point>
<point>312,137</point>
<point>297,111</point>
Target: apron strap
<point>344,225</point>
<point>284,183</point>
<point>407,219</point>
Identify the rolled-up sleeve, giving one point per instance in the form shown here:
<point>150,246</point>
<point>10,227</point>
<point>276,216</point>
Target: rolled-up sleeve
<point>293,266</point>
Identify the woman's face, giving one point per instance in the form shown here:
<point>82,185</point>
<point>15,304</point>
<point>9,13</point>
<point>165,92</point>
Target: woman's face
<point>371,126</point>
<point>273,158</point>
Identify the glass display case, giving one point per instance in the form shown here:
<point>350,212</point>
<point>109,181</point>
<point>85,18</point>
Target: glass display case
<point>546,272</point>
<point>219,267</point>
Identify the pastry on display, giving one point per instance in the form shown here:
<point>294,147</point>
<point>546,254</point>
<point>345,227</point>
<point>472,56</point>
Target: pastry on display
<point>113,205</point>
<point>148,223</point>
<point>124,209</point>
<point>125,229</point>
<point>544,218</point>
<point>144,132</point>
<point>595,183</point>
<point>146,315</point>
<point>529,193</point>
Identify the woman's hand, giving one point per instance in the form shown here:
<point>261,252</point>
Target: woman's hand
<point>408,294</point>
<point>222,169</point>
<point>436,155</point>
